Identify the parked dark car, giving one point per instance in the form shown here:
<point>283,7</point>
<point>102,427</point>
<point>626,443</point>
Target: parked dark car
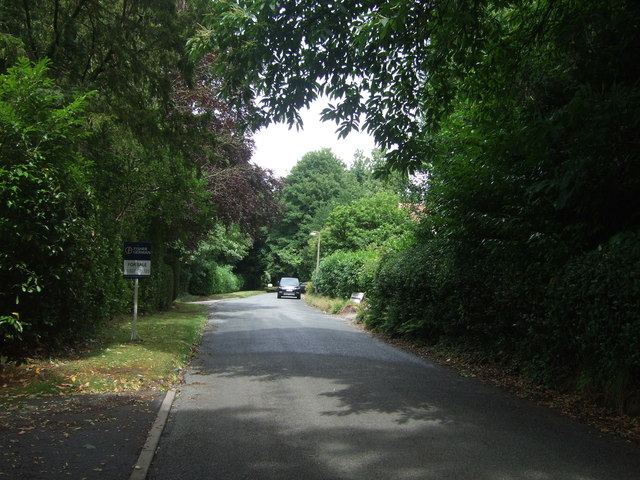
<point>289,287</point>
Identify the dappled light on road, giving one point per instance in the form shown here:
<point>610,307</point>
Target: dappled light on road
<point>281,391</point>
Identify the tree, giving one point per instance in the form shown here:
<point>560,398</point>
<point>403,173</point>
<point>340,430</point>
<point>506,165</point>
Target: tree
<point>316,183</point>
<point>143,184</point>
<point>243,193</point>
<point>368,221</point>
<point>396,63</point>
<point>48,221</point>
<point>372,176</point>
<point>211,264</point>
<point>165,158</point>
<point>524,115</point>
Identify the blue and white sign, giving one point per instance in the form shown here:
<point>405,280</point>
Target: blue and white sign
<point>137,260</point>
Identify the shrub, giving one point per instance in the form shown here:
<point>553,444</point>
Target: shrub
<point>344,272</point>
<point>580,330</point>
<point>208,278</point>
<point>55,277</point>
<point>224,280</point>
<point>589,335</point>
<point>409,292</point>
<point>201,279</point>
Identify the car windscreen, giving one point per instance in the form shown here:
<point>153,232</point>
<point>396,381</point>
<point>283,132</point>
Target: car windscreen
<point>289,282</point>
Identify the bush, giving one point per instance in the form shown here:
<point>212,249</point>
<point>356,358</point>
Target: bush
<point>201,279</point>
<point>208,278</point>
<point>344,272</point>
<point>55,277</point>
<point>580,330</point>
<point>409,294</point>
<point>589,335</point>
<point>224,280</point>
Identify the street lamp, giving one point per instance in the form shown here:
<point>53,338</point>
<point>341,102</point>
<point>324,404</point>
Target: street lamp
<point>318,253</point>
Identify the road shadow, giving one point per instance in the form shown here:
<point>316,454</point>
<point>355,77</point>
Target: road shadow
<point>323,400</point>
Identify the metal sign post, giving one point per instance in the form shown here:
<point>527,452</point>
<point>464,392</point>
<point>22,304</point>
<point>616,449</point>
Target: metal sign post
<point>137,264</point>
<point>134,329</point>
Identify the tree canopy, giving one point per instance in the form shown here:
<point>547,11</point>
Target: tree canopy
<point>110,133</point>
<point>519,118</point>
<point>403,64</point>
<point>370,220</point>
<point>317,183</point>
<point>523,118</point>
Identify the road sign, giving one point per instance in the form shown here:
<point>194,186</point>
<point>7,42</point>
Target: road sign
<point>137,260</point>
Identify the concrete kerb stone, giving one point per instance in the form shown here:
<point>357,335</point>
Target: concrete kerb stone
<point>141,468</point>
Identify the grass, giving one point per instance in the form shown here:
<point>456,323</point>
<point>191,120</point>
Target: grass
<point>221,296</point>
<point>111,362</point>
<point>326,304</point>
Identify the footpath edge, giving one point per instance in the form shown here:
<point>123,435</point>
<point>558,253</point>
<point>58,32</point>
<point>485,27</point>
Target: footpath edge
<point>141,467</point>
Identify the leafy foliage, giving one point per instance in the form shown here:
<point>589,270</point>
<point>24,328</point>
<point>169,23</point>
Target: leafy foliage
<point>47,222</point>
<point>209,278</point>
<point>316,183</point>
<point>293,52</point>
<point>524,117</point>
<point>370,220</point>
<point>518,193</point>
<point>167,161</point>
<point>589,334</point>
<point>211,264</point>
<point>344,272</point>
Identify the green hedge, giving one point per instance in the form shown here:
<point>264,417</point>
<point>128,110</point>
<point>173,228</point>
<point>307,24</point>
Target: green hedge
<point>208,278</point>
<point>409,295</point>
<point>579,328</point>
<point>589,335</point>
<point>344,272</point>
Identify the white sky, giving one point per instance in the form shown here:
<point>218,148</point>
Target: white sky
<point>279,149</point>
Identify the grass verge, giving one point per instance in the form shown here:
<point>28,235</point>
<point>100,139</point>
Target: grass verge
<point>328,304</point>
<point>222,296</point>
<point>111,362</point>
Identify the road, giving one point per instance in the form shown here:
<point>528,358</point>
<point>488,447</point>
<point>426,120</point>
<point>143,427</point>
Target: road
<point>281,391</point>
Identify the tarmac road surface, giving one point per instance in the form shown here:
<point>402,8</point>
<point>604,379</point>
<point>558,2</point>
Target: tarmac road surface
<point>281,391</point>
